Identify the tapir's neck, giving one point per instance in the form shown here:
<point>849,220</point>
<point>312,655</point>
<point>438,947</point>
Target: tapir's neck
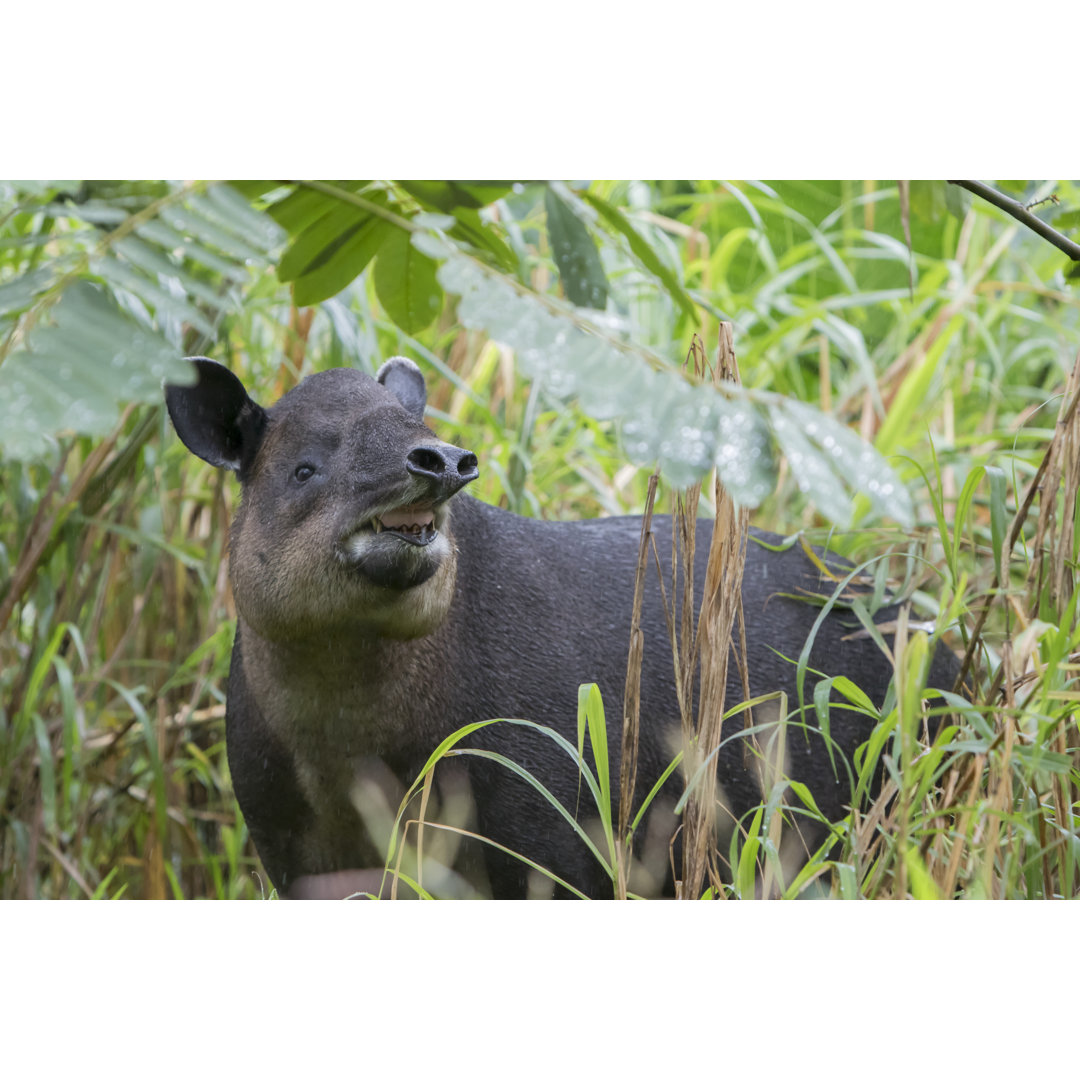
<point>370,693</point>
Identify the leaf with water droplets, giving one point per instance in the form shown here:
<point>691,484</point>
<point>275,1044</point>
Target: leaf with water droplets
<point>580,269</point>
<point>18,294</point>
<point>687,428</point>
<point>860,466</point>
<point>812,470</point>
<point>75,372</point>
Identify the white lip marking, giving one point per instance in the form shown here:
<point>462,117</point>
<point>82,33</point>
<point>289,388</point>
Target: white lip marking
<point>357,547</point>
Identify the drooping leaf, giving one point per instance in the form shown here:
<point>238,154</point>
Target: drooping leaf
<point>813,472</point>
<point>104,345</point>
<point>406,284</point>
<point>643,251</point>
<point>686,428</point>
<point>855,464</point>
<point>75,371</point>
<point>470,228</point>
<point>230,210</point>
<point>20,292</point>
<point>122,275</point>
<point>189,221</point>
<point>574,250</point>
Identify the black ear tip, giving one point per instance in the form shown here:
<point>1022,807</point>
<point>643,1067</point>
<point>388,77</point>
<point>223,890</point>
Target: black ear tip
<point>201,368</point>
<point>214,417</point>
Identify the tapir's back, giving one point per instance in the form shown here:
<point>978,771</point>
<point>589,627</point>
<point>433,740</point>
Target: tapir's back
<point>545,606</point>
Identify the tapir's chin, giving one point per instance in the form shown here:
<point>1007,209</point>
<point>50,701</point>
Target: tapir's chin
<point>396,560</point>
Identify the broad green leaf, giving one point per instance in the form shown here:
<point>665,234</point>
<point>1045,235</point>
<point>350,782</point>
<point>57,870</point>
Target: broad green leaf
<point>254,189</point>
<point>449,195</point>
<point>746,875</point>
<point>909,399</point>
<point>643,250</point>
<point>304,206</point>
<point>923,886</point>
<point>928,200</point>
<point>344,263</point>
<point>854,694</point>
<point>405,283</point>
<point>319,243</point>
<point>574,250</point>
<point>822,691</point>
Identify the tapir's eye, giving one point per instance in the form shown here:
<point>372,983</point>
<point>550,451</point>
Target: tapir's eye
<point>304,472</point>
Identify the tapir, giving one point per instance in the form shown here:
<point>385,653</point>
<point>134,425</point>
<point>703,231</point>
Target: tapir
<point>380,609</point>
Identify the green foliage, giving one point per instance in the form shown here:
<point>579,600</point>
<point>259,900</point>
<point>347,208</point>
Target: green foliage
<point>575,254</point>
<point>107,289</point>
<point>949,358</point>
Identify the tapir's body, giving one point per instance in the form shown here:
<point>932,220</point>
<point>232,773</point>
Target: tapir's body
<point>369,632</point>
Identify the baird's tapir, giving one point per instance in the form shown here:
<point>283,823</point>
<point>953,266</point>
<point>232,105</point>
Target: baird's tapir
<point>379,610</point>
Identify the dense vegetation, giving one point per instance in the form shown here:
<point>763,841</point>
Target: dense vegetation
<point>552,321</point>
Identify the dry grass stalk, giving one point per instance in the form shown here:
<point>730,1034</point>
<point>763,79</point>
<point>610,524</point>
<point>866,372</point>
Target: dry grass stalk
<point>632,702</point>
<point>1066,434</point>
<point>1051,551</point>
<point>721,605</point>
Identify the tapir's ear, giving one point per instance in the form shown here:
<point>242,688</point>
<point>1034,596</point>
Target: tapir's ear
<point>215,418</point>
<point>406,382</point>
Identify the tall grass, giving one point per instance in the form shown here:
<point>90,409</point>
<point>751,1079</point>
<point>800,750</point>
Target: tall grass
<point>116,615</point>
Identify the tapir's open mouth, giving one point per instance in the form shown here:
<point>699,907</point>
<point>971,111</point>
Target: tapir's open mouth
<point>398,547</point>
<point>416,524</point>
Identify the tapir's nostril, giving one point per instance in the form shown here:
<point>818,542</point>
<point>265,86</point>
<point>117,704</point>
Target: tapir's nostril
<point>450,467</point>
<point>426,461</point>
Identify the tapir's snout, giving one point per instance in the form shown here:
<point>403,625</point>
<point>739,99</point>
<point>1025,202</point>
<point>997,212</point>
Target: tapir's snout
<point>447,468</point>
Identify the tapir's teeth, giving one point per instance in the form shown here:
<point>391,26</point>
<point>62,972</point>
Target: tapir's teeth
<point>415,528</point>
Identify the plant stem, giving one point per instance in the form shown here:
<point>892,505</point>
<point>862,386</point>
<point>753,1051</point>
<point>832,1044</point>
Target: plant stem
<point>1023,215</point>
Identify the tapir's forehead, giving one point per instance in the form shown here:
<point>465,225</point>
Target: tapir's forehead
<point>339,390</point>
<point>335,408</point>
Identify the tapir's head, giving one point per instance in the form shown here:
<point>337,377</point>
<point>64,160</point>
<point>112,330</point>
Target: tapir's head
<point>344,518</point>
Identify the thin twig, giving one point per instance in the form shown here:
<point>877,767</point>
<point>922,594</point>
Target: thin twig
<point>1023,215</point>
